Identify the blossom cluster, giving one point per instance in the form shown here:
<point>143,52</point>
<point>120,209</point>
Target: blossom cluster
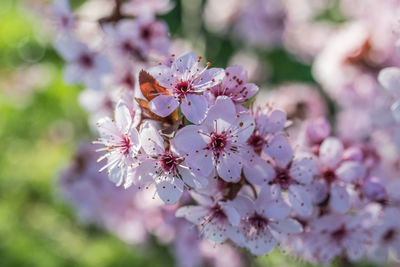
<point>184,143</point>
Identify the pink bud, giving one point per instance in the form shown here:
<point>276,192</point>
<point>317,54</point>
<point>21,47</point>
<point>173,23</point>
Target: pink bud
<point>317,130</point>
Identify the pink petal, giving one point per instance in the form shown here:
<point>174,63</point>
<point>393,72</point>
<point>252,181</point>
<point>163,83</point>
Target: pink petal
<point>287,226</point>
<point>184,63</point>
<point>351,171</point>
<point>194,214</point>
<point>73,74</point>
<point>331,152</point>
<point>261,244</point>
<point>303,169</point>
<point>229,167</point>
<point>232,214</point>
<point>339,199</point>
<point>276,121</point>
<point>145,171</point>
<point>192,179</point>
<point>169,189</point>
<point>163,75</point>
<point>259,171</point>
<point>189,138</point>
<point>200,162</point>
<point>245,127</point>
<point>163,105</point>
<point>280,150</point>
<point>152,142</point>
<point>300,200</point>
<point>194,107</point>
<point>271,203</point>
<point>209,78</point>
<point>223,113</point>
<point>243,205</point>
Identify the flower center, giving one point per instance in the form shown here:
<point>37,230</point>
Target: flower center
<point>389,235</point>
<point>282,178</point>
<point>145,33</point>
<point>218,213</point>
<point>86,61</point>
<point>329,175</point>
<point>218,142</point>
<point>169,162</point>
<point>339,234</point>
<point>256,141</point>
<point>182,88</point>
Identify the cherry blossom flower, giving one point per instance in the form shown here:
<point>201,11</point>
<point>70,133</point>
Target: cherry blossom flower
<point>121,143</point>
<point>164,166</point>
<point>234,85</point>
<point>284,172</point>
<point>386,234</point>
<point>338,235</point>
<point>84,65</point>
<point>217,142</point>
<point>259,230</point>
<point>184,81</point>
<point>268,123</point>
<point>337,173</point>
<point>63,16</point>
<point>217,219</point>
<point>139,38</point>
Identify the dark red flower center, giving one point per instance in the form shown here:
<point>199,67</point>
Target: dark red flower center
<point>218,142</point>
<point>329,175</point>
<point>256,141</point>
<point>218,213</point>
<point>282,178</point>
<point>169,162</point>
<point>389,235</point>
<point>339,234</point>
<point>86,61</point>
<point>257,221</point>
<point>145,33</point>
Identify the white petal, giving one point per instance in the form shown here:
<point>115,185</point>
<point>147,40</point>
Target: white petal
<point>194,107</point>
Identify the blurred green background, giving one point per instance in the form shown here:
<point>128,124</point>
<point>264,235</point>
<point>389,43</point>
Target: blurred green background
<point>40,125</point>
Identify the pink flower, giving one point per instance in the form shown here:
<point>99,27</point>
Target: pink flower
<point>284,172</point>
<point>234,85</point>
<point>338,235</point>
<point>317,130</point>
<point>386,234</point>
<point>259,230</point>
<point>217,219</point>
<point>121,143</point>
<point>269,122</point>
<point>184,81</point>
<point>64,18</point>
<point>337,173</point>
<point>139,38</point>
<point>84,65</point>
<point>218,142</point>
<point>163,166</point>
